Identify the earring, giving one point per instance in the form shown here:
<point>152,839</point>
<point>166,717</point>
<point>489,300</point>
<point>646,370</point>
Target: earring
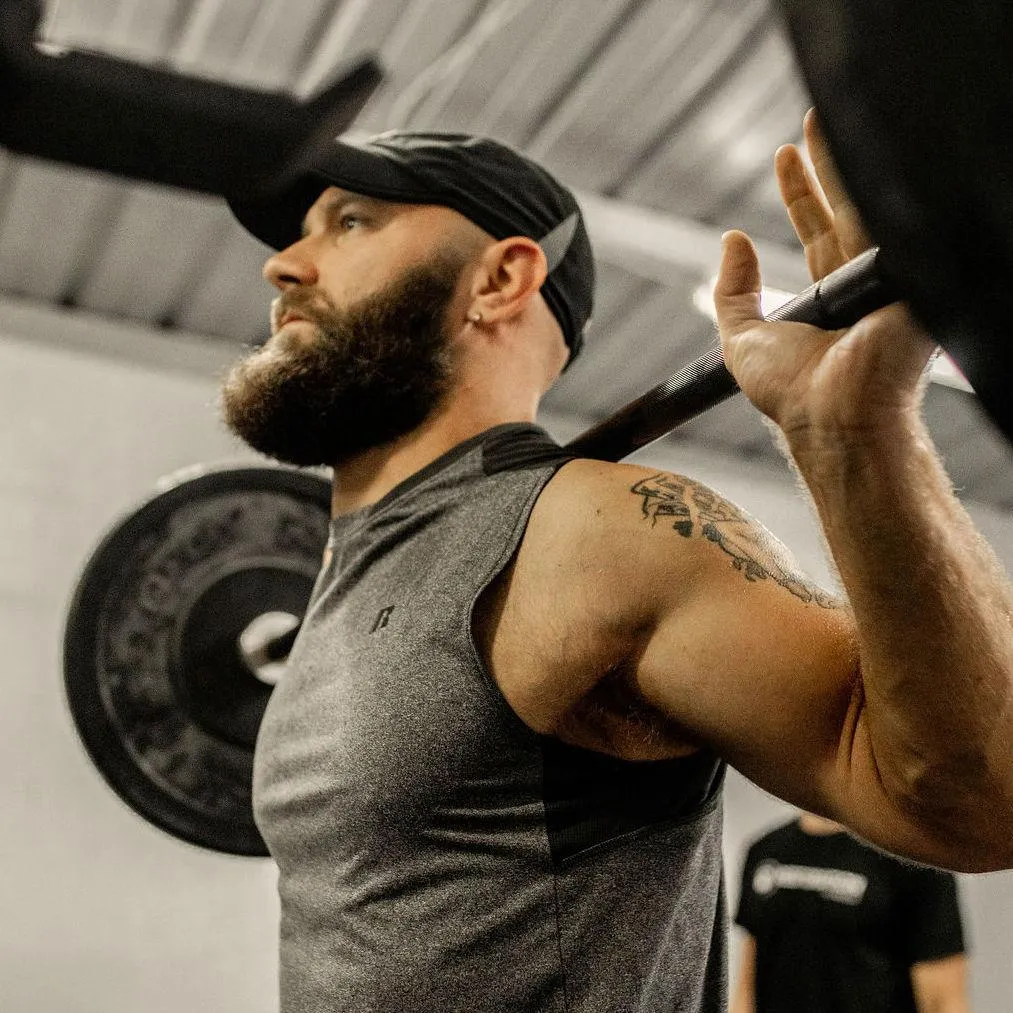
<point>475,318</point>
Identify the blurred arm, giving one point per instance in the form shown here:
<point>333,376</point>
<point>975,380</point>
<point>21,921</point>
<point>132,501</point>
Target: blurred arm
<point>940,986</point>
<point>744,1000</point>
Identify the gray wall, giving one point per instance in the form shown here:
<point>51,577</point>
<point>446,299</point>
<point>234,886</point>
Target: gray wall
<point>99,911</point>
<point>102,913</point>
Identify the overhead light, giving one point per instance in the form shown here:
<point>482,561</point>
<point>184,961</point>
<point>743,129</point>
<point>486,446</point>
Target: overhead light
<point>943,370</point>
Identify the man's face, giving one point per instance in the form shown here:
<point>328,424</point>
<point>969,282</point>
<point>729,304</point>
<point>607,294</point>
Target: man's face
<point>360,351</point>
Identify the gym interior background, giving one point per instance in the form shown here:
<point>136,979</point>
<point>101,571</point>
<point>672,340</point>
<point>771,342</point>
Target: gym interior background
<point>121,304</point>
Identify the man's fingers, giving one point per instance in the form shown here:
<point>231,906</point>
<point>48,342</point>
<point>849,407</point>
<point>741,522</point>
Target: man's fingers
<point>850,230</point>
<point>807,207</point>
<point>737,291</point>
<point>809,211</point>
<point>821,212</point>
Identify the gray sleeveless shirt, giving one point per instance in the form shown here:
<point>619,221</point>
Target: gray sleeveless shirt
<point>435,853</point>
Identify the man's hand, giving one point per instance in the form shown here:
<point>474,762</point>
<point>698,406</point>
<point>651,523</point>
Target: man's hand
<point>816,384</point>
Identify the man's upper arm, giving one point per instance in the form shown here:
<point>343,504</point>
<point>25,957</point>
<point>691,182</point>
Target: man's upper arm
<point>745,653</point>
<point>736,647</point>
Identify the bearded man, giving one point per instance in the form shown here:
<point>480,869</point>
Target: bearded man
<point>491,775</point>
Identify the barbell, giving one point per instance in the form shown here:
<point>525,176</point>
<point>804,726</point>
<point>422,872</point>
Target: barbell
<point>189,601</point>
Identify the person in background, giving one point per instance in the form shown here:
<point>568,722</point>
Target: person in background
<point>834,926</point>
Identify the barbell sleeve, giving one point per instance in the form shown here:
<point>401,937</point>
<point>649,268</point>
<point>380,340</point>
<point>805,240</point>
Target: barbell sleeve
<point>840,299</point>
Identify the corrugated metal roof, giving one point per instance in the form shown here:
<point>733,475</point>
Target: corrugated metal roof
<point>674,107</point>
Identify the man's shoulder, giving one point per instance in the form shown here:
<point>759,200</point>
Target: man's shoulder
<point>625,497</point>
<point>620,522</point>
<point>679,535</point>
<point>652,497</point>
<point>587,473</point>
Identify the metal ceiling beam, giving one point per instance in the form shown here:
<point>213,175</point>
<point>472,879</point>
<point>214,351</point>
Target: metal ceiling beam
<point>550,111</point>
<point>710,73</point>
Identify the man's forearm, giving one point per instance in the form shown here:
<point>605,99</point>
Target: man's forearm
<point>932,607</point>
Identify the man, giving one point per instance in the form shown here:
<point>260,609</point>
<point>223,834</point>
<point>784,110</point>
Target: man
<point>834,926</point>
<point>491,774</point>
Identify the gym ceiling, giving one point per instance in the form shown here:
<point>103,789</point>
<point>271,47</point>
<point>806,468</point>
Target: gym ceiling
<point>662,114</point>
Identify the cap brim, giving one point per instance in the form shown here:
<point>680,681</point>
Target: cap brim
<point>277,217</point>
<point>277,220</point>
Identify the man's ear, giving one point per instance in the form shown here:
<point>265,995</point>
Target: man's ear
<point>511,273</point>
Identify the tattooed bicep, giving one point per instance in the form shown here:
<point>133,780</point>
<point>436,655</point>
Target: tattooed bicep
<point>666,496</point>
<point>694,511</point>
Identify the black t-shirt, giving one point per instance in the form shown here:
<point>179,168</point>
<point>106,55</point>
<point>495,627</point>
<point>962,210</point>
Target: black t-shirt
<point>838,925</point>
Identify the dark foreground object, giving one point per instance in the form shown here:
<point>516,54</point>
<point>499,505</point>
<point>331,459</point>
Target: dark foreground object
<point>916,100</point>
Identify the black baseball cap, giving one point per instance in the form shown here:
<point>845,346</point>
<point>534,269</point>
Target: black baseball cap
<point>497,188</point>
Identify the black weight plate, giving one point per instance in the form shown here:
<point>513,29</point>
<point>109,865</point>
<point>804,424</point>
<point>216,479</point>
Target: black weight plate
<point>917,103</point>
<point>158,690</point>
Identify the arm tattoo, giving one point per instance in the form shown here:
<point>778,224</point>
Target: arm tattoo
<point>756,554</point>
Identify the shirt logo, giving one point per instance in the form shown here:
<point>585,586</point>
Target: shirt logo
<point>382,618</point>
<point>833,884</point>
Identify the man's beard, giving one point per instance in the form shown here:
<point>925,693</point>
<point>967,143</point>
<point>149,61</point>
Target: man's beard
<point>367,374</point>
